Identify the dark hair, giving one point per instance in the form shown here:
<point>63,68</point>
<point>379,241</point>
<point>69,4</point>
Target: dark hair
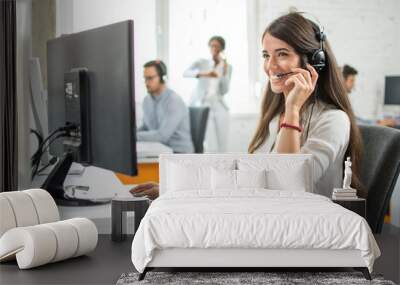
<point>219,39</point>
<point>300,33</point>
<point>348,70</point>
<point>160,67</point>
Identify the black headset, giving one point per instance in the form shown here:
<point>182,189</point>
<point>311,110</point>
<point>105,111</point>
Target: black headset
<point>161,69</point>
<point>317,58</point>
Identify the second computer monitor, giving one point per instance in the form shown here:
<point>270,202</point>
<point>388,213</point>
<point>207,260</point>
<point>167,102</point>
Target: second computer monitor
<point>392,90</point>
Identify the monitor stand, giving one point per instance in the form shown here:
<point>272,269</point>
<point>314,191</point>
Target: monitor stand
<point>54,184</point>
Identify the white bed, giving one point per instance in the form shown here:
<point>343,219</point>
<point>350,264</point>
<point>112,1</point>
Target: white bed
<point>220,211</point>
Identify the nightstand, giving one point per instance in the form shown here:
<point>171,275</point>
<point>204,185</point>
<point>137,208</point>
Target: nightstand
<point>357,205</point>
<point>119,205</point>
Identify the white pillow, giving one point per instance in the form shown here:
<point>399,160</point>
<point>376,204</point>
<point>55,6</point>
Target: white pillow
<point>227,179</point>
<point>290,180</point>
<point>183,177</point>
<point>281,174</point>
<point>223,179</point>
<point>193,172</point>
<point>251,178</point>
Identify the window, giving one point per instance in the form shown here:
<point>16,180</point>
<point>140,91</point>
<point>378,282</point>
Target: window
<point>190,26</point>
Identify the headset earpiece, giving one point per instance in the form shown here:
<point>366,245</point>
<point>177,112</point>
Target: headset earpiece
<point>318,59</point>
<point>162,70</point>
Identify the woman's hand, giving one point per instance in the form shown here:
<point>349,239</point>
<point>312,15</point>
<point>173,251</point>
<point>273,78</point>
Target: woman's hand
<point>303,82</point>
<point>150,189</point>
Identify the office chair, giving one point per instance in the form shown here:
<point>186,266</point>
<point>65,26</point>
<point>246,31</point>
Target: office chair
<point>198,126</point>
<point>380,167</point>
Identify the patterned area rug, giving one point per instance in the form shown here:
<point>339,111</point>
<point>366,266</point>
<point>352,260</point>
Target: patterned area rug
<point>225,278</point>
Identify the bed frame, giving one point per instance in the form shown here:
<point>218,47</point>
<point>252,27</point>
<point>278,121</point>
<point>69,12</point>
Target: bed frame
<point>246,258</point>
<point>242,259</point>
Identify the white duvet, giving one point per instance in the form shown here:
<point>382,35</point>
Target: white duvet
<point>250,219</point>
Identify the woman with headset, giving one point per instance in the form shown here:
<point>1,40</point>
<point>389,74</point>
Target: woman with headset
<point>305,108</point>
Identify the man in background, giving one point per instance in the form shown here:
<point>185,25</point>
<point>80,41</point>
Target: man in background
<point>349,76</point>
<point>165,115</point>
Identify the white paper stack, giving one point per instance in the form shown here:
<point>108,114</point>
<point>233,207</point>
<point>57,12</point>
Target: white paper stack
<point>344,194</point>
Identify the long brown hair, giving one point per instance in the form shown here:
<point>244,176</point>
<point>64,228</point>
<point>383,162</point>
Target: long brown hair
<point>301,34</point>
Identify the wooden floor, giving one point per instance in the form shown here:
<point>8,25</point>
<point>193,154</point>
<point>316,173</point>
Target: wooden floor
<point>111,259</point>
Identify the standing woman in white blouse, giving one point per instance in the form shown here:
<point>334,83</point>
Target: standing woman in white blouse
<point>214,76</point>
<point>305,108</point>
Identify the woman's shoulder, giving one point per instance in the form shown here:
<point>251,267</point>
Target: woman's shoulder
<point>332,114</point>
<point>331,122</point>
<point>331,125</point>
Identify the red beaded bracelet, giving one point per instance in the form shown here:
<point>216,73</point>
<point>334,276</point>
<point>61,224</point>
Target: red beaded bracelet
<point>284,125</point>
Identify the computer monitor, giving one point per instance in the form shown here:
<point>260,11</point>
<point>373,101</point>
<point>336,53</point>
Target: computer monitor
<point>91,96</point>
<point>392,90</point>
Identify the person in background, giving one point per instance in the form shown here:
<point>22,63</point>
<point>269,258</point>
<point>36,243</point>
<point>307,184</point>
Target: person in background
<point>165,115</point>
<point>349,76</point>
<point>214,76</point>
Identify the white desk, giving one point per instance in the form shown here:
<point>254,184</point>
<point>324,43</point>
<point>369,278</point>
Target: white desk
<point>150,151</point>
<point>99,214</point>
<point>103,184</point>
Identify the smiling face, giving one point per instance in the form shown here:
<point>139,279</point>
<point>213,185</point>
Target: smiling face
<point>215,48</point>
<point>279,59</point>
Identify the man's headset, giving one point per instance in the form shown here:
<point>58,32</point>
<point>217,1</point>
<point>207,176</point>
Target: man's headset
<point>161,70</point>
